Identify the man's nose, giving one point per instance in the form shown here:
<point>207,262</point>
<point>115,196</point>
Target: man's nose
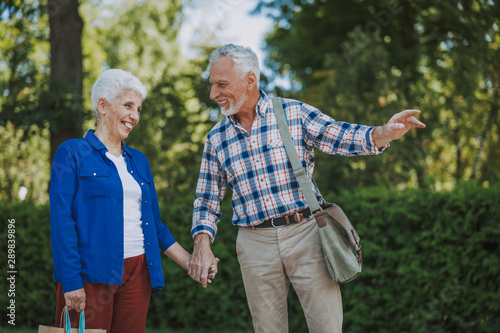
<point>214,92</point>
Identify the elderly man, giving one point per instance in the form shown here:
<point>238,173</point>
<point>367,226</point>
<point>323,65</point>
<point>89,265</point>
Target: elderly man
<point>244,152</point>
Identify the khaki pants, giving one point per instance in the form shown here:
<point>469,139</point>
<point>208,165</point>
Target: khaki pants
<point>272,258</point>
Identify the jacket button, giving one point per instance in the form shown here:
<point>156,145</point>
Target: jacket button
<point>132,171</point>
<point>95,174</point>
<point>142,183</point>
<point>151,264</point>
<point>147,223</point>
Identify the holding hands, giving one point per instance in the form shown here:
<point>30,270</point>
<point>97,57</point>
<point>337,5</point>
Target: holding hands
<point>195,264</point>
<point>203,264</point>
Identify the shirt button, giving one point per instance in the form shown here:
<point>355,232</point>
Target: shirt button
<point>145,202</point>
<point>151,264</point>
<point>142,183</point>
<point>95,174</point>
<point>132,171</point>
<point>149,243</point>
<point>147,223</point>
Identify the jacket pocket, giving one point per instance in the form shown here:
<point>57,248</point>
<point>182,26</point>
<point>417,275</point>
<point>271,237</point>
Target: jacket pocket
<point>95,183</point>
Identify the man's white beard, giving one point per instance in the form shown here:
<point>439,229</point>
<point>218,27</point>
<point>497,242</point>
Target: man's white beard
<point>233,109</point>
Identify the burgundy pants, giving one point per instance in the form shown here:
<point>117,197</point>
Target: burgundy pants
<point>115,308</point>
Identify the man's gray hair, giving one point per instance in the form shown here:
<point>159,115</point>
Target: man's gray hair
<point>111,84</point>
<point>245,60</point>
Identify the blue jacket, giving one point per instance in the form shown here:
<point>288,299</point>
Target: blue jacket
<point>86,215</point>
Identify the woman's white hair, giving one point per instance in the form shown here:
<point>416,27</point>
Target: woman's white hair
<point>111,84</point>
<point>245,60</point>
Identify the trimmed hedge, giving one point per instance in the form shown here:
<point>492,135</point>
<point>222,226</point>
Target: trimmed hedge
<point>431,264</point>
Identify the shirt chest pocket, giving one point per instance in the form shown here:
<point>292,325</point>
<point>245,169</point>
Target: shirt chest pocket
<point>94,183</point>
<point>275,153</point>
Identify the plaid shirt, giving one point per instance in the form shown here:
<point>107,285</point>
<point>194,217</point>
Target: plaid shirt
<point>255,165</point>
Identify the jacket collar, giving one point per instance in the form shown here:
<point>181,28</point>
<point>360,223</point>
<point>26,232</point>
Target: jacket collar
<point>98,145</point>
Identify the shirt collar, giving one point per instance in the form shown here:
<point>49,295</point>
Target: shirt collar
<point>260,108</point>
<point>98,145</point>
<point>262,105</point>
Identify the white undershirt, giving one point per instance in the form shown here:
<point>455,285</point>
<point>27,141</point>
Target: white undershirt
<point>133,237</point>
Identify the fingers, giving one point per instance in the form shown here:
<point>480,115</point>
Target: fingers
<point>199,272</point>
<point>204,277</point>
<point>75,300</point>
<point>406,118</point>
<point>407,113</point>
<point>213,270</point>
<point>191,271</point>
<point>414,122</point>
<point>202,261</point>
<point>395,126</point>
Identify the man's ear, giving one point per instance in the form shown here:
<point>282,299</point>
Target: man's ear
<point>251,80</point>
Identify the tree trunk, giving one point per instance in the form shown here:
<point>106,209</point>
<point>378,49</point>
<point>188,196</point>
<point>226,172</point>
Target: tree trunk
<point>66,27</point>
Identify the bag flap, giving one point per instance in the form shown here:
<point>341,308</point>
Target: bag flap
<point>338,214</point>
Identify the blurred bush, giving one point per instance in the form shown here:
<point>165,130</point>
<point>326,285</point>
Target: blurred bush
<point>431,264</point>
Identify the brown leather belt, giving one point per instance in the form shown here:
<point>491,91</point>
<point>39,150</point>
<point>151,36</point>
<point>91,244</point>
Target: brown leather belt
<point>285,220</point>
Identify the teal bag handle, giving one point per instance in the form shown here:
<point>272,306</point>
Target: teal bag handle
<point>81,326</point>
<point>67,324</point>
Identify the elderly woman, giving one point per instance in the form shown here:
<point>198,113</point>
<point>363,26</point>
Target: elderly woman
<point>105,219</point>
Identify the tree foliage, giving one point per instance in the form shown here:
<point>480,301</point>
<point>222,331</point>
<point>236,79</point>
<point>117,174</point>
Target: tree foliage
<point>24,60</point>
<point>24,77</point>
<point>174,121</point>
<point>140,37</point>
<point>361,61</point>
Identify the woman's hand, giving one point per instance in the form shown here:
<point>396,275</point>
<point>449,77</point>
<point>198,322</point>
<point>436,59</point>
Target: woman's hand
<point>75,300</point>
<point>212,271</point>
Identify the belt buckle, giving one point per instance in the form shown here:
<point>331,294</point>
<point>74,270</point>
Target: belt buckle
<point>275,226</point>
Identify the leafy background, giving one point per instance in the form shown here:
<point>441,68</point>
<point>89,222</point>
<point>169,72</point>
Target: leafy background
<point>426,208</point>
<point>431,264</point>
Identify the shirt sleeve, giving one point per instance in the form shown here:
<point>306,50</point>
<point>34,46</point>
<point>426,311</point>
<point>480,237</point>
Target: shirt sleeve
<point>210,190</point>
<point>337,137</point>
<point>63,186</point>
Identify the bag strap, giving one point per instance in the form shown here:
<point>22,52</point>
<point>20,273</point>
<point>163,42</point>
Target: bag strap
<point>298,169</point>
<point>66,323</point>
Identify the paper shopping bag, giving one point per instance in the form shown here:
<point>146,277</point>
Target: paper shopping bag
<point>67,326</point>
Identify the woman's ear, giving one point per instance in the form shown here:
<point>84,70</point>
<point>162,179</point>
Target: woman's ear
<point>102,105</point>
